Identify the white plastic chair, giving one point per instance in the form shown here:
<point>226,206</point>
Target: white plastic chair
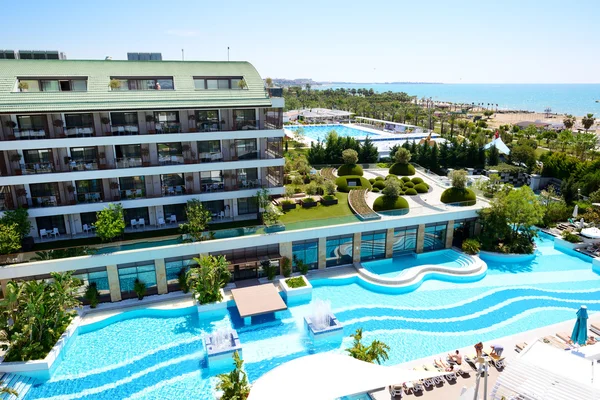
<point>142,222</point>
<point>133,223</point>
<point>43,233</point>
<point>222,214</point>
<point>161,221</point>
<point>173,219</point>
<point>86,228</point>
<point>55,232</point>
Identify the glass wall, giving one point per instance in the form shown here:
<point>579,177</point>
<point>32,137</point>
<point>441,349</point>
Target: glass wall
<point>49,223</point>
<point>247,205</point>
<point>88,218</point>
<point>435,237</point>
<point>144,271</point>
<point>136,213</point>
<point>89,191</point>
<point>210,151</point>
<point>405,240</point>
<point>98,276</point>
<point>463,229</point>
<point>246,149</point>
<point>244,119</point>
<point>207,120</point>
<point>170,153</point>
<point>339,250</point>
<point>372,245</point>
<point>306,251</point>
<point>79,125</point>
<point>132,187</point>
<point>215,206</point>
<point>178,210</point>
<point>124,123</point>
<point>174,267</point>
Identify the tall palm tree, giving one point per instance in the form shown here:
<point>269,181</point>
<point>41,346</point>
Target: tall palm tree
<point>569,121</point>
<point>588,121</point>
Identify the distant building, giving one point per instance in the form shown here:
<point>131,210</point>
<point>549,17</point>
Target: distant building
<point>144,56</point>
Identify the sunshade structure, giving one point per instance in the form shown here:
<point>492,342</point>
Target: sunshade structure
<point>592,233</point>
<point>502,148</point>
<point>327,376</point>
<point>579,334</point>
<point>543,372</point>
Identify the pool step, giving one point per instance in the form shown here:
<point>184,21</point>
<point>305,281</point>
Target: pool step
<point>20,383</point>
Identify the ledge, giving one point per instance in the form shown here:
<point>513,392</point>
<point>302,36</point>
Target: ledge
<point>562,243</point>
<point>502,257</point>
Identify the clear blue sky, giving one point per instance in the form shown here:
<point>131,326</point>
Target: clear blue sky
<point>461,41</point>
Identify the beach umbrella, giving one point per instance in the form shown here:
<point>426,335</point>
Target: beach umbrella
<point>579,334</point>
<point>575,211</point>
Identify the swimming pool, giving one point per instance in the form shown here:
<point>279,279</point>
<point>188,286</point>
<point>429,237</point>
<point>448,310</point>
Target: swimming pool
<point>394,267</point>
<point>319,132</point>
<point>158,354</point>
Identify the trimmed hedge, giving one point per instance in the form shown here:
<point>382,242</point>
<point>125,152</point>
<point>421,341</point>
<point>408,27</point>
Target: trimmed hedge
<point>409,184</point>
<point>383,203</point>
<point>454,195</point>
<point>346,170</point>
<point>421,188</point>
<point>372,181</point>
<point>391,176</point>
<point>379,185</point>
<point>405,179</point>
<point>410,192</point>
<point>416,180</point>
<point>402,169</point>
<point>342,183</point>
<point>375,190</point>
<point>379,178</point>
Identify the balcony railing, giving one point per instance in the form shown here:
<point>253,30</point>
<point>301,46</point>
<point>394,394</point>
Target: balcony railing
<point>83,165</point>
<point>90,197</point>
<point>43,201</point>
<point>129,162</point>
<point>77,131</point>
<point>37,168</point>
<point>28,134</point>
<point>125,130</point>
<point>177,190</point>
<point>172,159</point>
<point>167,127</point>
<point>132,194</point>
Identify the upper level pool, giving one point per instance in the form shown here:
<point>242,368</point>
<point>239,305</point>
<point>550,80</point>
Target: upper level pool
<point>319,132</point>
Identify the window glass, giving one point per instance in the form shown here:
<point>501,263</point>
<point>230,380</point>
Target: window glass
<point>235,82</point>
<point>339,250</point>
<point>405,240</point>
<point>144,271</point>
<point>209,146</point>
<point>435,237</point>
<point>208,177</point>
<point>131,182</point>
<point>50,86</point>
<point>247,205</point>
<point>307,252</point>
<point>34,85</point>
<point>173,267</point>
<point>165,84</point>
<point>215,206</point>
<point>199,84</point>
<point>34,122</point>
<point>175,209</point>
<point>37,156</point>
<point>129,118</point>
<point>79,85</point>
<point>223,84</point>
<point>83,153</point>
<point>212,84</point>
<point>172,180</point>
<point>372,245</point>
<point>166,116</point>
<point>136,213</point>
<point>79,120</point>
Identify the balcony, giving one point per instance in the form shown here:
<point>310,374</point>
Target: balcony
<point>90,197</point>
<point>28,134</point>
<point>132,194</point>
<point>83,165</point>
<point>37,168</point>
<point>78,131</point>
<point>128,162</point>
<point>124,130</point>
<point>176,190</point>
<point>171,159</point>
<point>167,127</point>
<point>43,201</point>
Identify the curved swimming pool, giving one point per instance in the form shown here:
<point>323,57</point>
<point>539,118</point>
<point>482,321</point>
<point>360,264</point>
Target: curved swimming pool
<point>159,354</point>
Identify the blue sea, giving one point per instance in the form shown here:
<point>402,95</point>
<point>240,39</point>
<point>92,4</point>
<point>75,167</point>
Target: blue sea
<point>576,99</point>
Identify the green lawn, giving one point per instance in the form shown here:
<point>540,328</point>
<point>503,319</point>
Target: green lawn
<point>539,151</point>
<point>320,215</point>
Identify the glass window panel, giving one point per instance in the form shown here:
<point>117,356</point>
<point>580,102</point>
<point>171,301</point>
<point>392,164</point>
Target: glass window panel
<point>132,182</point>
<point>34,122</point>
<point>166,116</point>
<point>130,118</point>
<point>338,250</point>
<point>34,85</point>
<point>79,85</point>
<point>307,252</point>
<point>175,209</point>
<point>199,84</point>
<point>372,245</point>
<point>235,83</point>
<point>223,84</point>
<point>207,177</point>
<point>215,206</point>
<point>166,84</point>
<point>172,180</point>
<point>247,205</point>
<point>212,84</point>
<point>50,86</point>
<point>136,213</point>
<point>209,146</point>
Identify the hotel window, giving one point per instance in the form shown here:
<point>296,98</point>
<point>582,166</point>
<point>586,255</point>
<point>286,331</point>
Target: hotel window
<point>124,118</point>
<point>99,276</point>
<point>372,245</point>
<point>136,213</point>
<point>247,205</point>
<point>244,119</point>
<point>215,206</point>
<point>339,250</point>
<point>88,218</point>
<point>144,271</point>
<point>49,223</point>
<point>217,83</point>
<point>174,267</point>
<point>405,240</point>
<point>31,122</point>
<point>55,85</point>
<point>151,83</point>
<point>37,156</point>
<point>209,177</point>
<point>435,237</point>
<point>306,251</point>
<point>463,229</point>
<point>246,149</point>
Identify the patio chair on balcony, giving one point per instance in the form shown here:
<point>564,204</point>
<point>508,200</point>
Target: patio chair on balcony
<point>142,222</point>
<point>173,219</point>
<point>55,232</point>
<point>133,223</point>
<point>161,222</point>
<point>86,228</point>
<point>43,233</point>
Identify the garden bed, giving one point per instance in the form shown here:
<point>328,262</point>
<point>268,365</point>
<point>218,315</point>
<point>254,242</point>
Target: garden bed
<point>352,182</point>
<point>329,200</point>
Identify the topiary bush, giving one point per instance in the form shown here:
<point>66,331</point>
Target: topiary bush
<point>409,184</point>
<point>391,176</point>
<point>416,180</point>
<point>402,169</point>
<point>421,187</point>
<point>454,195</point>
<point>350,169</point>
<point>375,190</point>
<point>410,192</point>
<point>379,178</point>
<point>405,179</point>
<point>379,184</point>
<point>372,181</point>
<point>342,183</point>
<point>383,203</point>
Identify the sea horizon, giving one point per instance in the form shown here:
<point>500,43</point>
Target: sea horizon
<point>564,98</point>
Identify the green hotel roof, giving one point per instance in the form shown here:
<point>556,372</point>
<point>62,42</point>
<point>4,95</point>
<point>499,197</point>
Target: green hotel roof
<point>99,97</point>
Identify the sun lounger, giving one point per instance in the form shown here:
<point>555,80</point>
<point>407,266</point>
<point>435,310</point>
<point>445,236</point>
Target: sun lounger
<point>396,390</point>
<point>520,346</point>
<point>551,340</point>
<point>497,360</point>
<point>595,328</point>
<point>426,382</point>
<point>564,336</point>
<point>434,368</point>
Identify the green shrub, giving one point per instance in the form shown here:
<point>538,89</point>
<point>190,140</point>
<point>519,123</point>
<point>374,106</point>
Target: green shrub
<point>302,266</point>
<point>421,188</point>
<point>405,179</point>
<point>454,195</point>
<point>391,176</point>
<point>182,280</point>
<point>139,288</point>
<point>342,183</point>
<point>379,178</point>
<point>372,181</point>
<point>350,170</point>
<point>92,295</point>
<point>416,180</point>
<point>402,169</point>
<point>375,190</point>
<point>269,269</point>
<point>571,238</point>
<point>409,184</point>
<point>297,190</point>
<point>410,192</point>
<point>383,203</point>
<point>379,184</point>
<point>401,192</point>
<point>286,267</point>
<point>471,246</point>
<point>295,282</point>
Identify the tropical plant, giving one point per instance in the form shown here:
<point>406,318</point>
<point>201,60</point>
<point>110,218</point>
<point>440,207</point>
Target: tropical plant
<point>402,156</point>
<point>110,222</point>
<point>471,246</point>
<point>198,219</point>
<point>182,280</point>
<point>114,84</point>
<point>23,86</point>
<point>92,295</point>
<point>242,84</point>
<point>10,240</point>
<point>269,269</point>
<point>588,121</point>
<point>20,217</point>
<point>295,282</point>
<point>34,314</point>
<point>376,352</point>
<point>234,384</point>
<point>569,121</point>
<point>63,253</point>
<point>207,280</point>
<point>139,287</point>
<point>301,265</point>
<point>286,267</point>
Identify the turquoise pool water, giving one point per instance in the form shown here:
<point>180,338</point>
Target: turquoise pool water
<point>393,267</point>
<point>319,132</point>
<point>159,354</point>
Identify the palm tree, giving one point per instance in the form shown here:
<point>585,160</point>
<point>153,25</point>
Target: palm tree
<point>452,122</point>
<point>569,121</point>
<point>377,351</point>
<point>588,121</point>
<point>7,390</point>
<point>234,384</point>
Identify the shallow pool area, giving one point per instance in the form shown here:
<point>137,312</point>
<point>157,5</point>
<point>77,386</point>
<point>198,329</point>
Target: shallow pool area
<point>396,266</point>
<point>319,132</point>
<point>158,354</point>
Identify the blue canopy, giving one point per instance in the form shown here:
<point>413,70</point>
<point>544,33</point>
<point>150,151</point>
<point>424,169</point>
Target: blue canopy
<point>579,334</point>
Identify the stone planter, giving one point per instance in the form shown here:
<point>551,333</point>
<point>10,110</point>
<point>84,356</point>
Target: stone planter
<point>329,202</point>
<point>287,207</point>
<point>295,295</point>
<point>308,205</point>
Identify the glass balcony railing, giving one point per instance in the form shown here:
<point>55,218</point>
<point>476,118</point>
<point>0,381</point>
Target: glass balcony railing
<point>177,190</point>
<point>167,127</point>
<point>170,159</point>
<point>132,194</point>
<point>128,162</point>
<point>43,201</point>
<point>29,134</point>
<point>77,131</point>
<point>125,130</point>
<point>37,168</point>
<point>90,197</point>
<point>83,165</point>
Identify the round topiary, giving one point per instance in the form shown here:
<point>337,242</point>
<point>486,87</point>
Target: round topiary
<point>383,203</point>
<point>379,184</point>
<point>342,183</point>
<point>461,197</point>
<point>375,190</point>
<point>405,179</point>
<point>409,184</point>
<point>402,169</point>
<point>421,188</point>
<point>372,181</point>
<point>401,192</point>
<point>379,178</point>
<point>410,192</point>
<point>416,180</point>
<point>391,176</point>
<point>347,169</point>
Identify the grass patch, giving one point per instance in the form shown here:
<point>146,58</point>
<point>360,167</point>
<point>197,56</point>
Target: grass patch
<point>384,203</point>
<point>295,282</point>
<point>454,195</point>
<point>322,212</point>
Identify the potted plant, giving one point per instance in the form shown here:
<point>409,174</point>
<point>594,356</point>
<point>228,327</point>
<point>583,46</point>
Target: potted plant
<point>106,122</point>
<point>22,197</point>
<point>139,288</point>
<point>288,203</point>
<point>192,122</point>
<point>102,159</point>
<point>150,124</point>
<point>114,84</point>
<point>308,202</point>
<point>145,153</point>
<point>329,199</point>
<point>16,158</point>
<point>71,190</point>
<point>242,84</point>
<point>23,86</point>
<point>10,124</point>
<point>59,125</point>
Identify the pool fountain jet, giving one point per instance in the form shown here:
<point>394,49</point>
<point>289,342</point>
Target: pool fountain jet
<point>322,323</point>
<point>220,346</point>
